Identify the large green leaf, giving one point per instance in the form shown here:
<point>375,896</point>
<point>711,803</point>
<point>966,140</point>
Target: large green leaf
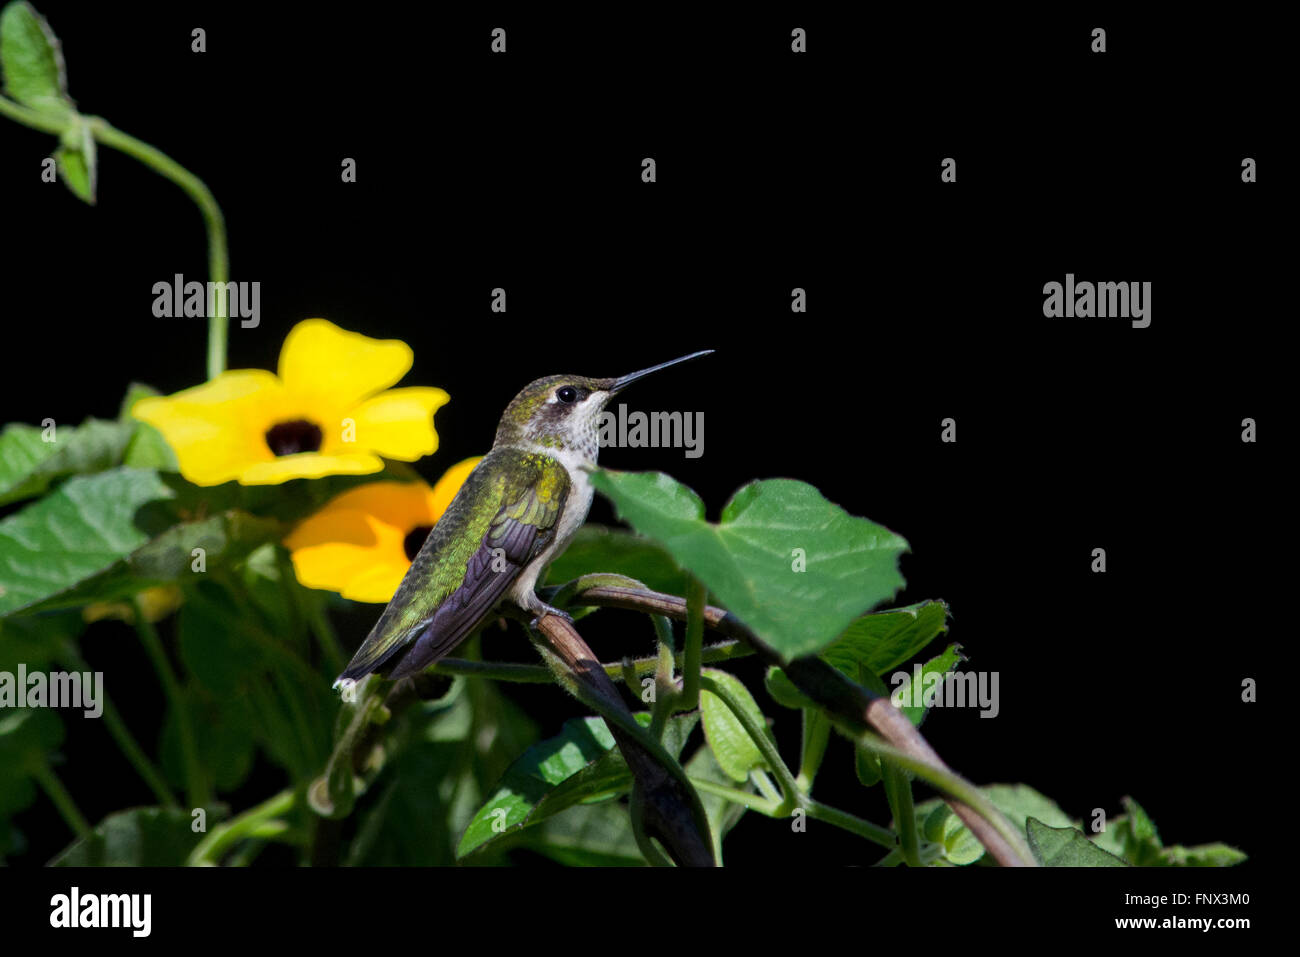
<point>80,530</point>
<point>579,765</point>
<point>91,540</point>
<point>28,463</point>
<point>31,61</point>
<point>597,548</point>
<point>794,567</point>
<point>139,837</point>
<point>1066,847</point>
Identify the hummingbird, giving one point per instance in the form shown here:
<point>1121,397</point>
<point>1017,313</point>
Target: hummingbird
<point>516,511</point>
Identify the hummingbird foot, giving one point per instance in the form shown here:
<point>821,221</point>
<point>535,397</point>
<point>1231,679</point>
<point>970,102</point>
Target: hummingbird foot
<point>543,610</point>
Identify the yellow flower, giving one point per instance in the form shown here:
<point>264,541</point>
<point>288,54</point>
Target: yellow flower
<point>326,413</point>
<point>361,543</point>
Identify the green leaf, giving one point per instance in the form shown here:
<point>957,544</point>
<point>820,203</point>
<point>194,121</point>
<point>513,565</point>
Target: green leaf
<point>32,61</point>
<point>736,752</point>
<point>28,463</point>
<point>723,815</point>
<point>589,835</point>
<point>884,640</point>
<point>139,837</point>
<point>75,532</point>
<point>76,161</point>
<point>1066,847</point>
<point>783,690</point>
<point>579,765</point>
<point>598,548</point>
<point>147,448</point>
<point>1017,802</point>
<point>1202,855</point>
<point>750,558</point>
<point>941,826</point>
<point>931,675</point>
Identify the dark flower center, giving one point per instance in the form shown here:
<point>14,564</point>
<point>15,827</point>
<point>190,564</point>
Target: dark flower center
<point>290,438</point>
<point>415,540</point>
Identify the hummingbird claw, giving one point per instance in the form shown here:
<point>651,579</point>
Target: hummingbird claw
<point>545,610</point>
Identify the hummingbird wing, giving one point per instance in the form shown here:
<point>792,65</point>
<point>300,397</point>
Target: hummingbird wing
<point>503,517</point>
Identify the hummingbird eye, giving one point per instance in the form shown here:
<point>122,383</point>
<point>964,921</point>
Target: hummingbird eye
<point>567,394</point>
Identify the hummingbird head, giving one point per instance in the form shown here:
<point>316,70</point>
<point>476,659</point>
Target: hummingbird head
<point>562,412</point>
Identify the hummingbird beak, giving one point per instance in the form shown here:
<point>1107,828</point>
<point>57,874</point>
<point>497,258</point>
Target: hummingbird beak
<point>622,383</point>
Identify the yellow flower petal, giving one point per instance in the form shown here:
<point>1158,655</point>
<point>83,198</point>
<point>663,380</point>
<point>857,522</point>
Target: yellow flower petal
<point>334,368</point>
<point>403,505</point>
<point>379,584</point>
<point>308,465</point>
<point>335,546</point>
<point>398,424</point>
<point>219,428</point>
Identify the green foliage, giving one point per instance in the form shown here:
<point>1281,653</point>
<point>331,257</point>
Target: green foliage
<point>749,559</point>
<point>139,837</point>
<point>31,61</point>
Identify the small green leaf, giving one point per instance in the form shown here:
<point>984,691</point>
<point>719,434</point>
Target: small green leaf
<point>884,640</point>
<point>794,567</point>
<point>783,690</point>
<point>1066,847</point>
<point>914,693</point>
<point>1202,855</point>
<point>941,826</point>
<point>139,837</point>
<point>147,448</point>
<point>32,61</point>
<point>77,163</point>
<point>736,752</point>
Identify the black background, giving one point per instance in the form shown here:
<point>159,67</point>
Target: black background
<point>774,171</point>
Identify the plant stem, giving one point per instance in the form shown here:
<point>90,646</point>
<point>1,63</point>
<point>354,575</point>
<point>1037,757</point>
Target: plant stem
<point>754,802</point>
<point>872,832</point>
<point>28,117</point>
<point>537,674</point>
<point>898,789</point>
<point>196,790</point>
<point>816,735</point>
<point>696,595</point>
<point>126,742</point>
<point>213,222</point>
<point>249,824</point>
<point>67,807</point>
